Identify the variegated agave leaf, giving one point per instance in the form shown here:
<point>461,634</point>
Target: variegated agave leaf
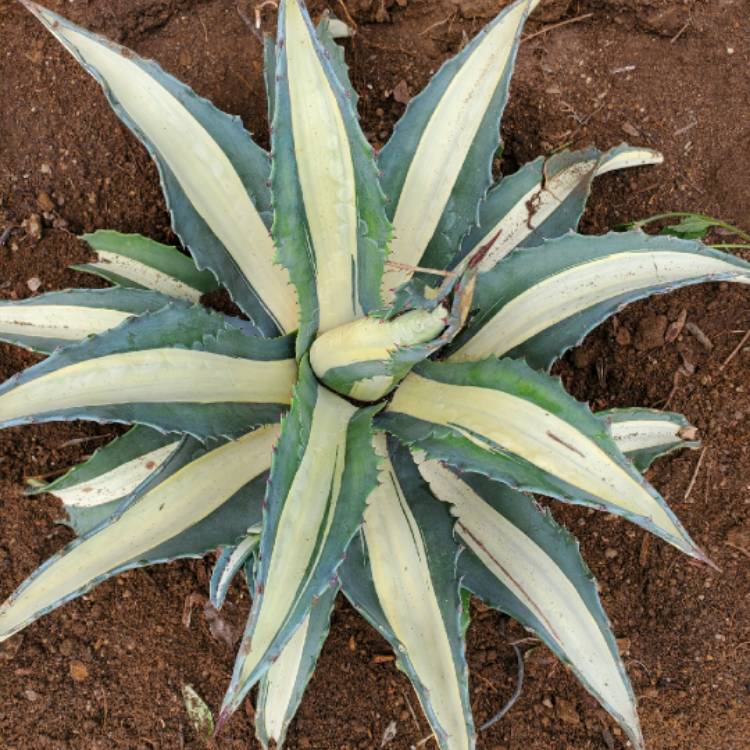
<point>92,491</point>
<point>283,685</point>
<point>543,200</point>
<point>329,211</point>
<point>201,499</point>
<point>541,301</point>
<point>401,576</point>
<point>131,260</point>
<point>505,420</point>
<point>520,561</point>
<point>50,321</point>
<point>181,369</point>
<point>644,435</point>
<point>437,165</point>
<point>319,501</point>
<point>323,470</point>
<point>214,177</point>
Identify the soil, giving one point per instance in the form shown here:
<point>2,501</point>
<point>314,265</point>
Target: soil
<point>106,671</point>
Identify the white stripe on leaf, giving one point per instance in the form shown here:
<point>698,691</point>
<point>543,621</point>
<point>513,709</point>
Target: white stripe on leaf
<point>171,507</point>
<point>152,376</point>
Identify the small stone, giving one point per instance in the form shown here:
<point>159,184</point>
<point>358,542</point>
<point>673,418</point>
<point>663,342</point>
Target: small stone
<point>31,696</point>
<point>650,332</point>
<point>567,712</point>
<point>33,226</point>
<point>34,283</point>
<point>44,202</point>
<point>610,553</point>
<point>45,168</point>
<point>623,336</point>
<point>78,671</point>
<point>401,92</point>
<point>631,130</point>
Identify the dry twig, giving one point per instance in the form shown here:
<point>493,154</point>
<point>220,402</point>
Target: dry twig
<point>554,26</point>
<point>348,15</point>
<point>736,350</point>
<point>694,478</point>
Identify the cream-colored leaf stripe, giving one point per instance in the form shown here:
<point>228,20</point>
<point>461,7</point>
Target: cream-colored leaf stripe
<point>583,286</point>
<point>118,482</point>
<point>203,170</point>
<point>181,501</point>
<point>539,583</point>
<point>326,174</point>
<point>152,376</point>
<point>445,143</point>
<point>498,421</point>
<point>373,340</point>
<point>306,517</point>
<point>628,157</point>
<point>280,680</point>
<point>519,223</point>
<point>642,434</point>
<point>144,275</point>
<point>401,574</point>
<point>65,322</point>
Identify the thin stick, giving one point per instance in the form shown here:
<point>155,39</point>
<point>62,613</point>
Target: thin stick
<point>348,15</point>
<point>556,26</point>
<point>681,31</point>
<point>205,30</point>
<point>411,711</point>
<point>736,350</point>
<point>516,693</point>
<point>421,269</point>
<point>90,438</point>
<point>694,478</point>
<point>437,23</point>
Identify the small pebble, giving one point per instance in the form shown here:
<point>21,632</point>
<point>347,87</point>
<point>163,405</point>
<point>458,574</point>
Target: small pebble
<point>623,336</point>
<point>567,712</point>
<point>44,202</point>
<point>78,671</point>
<point>33,226</point>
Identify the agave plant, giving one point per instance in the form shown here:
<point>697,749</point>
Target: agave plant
<point>376,421</point>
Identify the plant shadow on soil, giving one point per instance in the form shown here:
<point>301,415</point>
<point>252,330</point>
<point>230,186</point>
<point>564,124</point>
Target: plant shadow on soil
<point>106,671</point>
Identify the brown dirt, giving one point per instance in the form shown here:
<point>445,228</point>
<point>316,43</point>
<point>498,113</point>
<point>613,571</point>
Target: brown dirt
<point>685,630</point>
